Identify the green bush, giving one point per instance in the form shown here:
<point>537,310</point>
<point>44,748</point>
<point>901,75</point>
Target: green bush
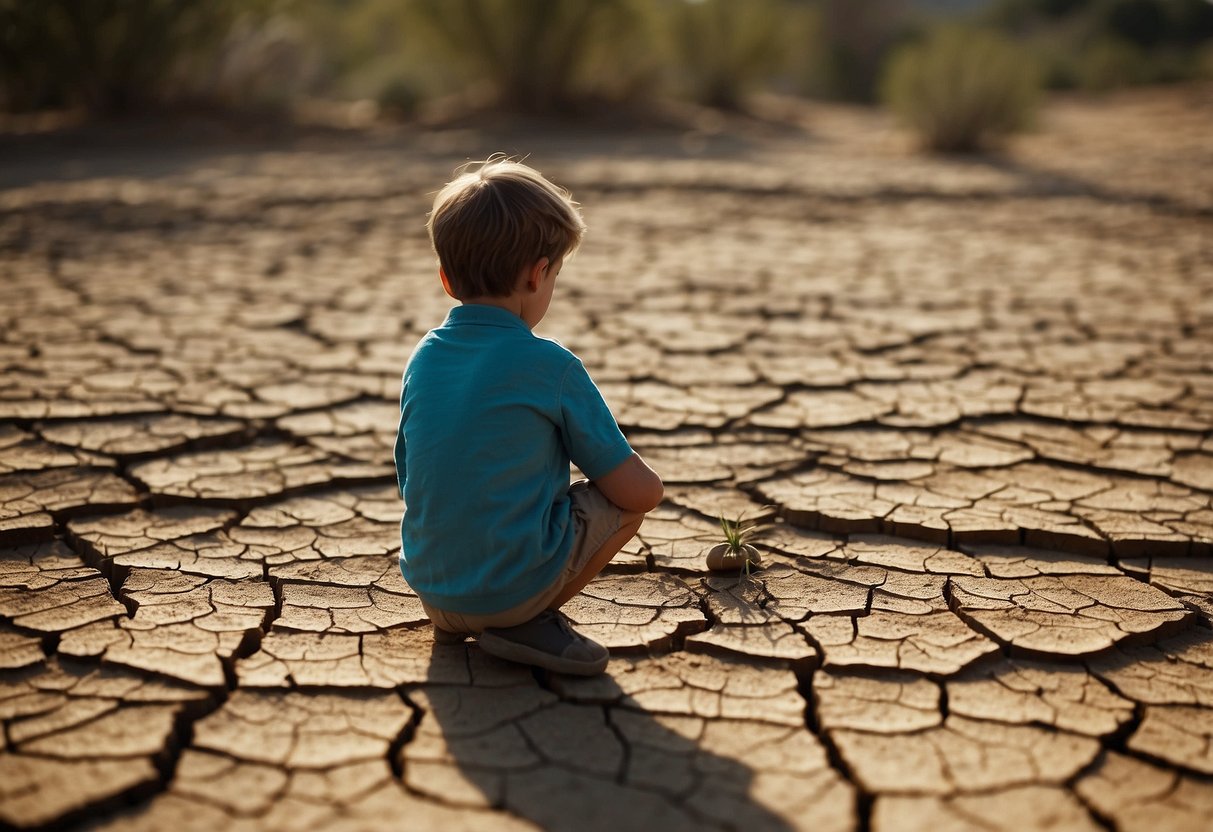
<point>373,49</point>
<point>854,44</point>
<point>533,53</point>
<point>1202,65</point>
<point>398,99</point>
<point>962,89</point>
<point>719,49</point>
<point>1104,44</point>
<point>1112,63</point>
<point>105,55</point>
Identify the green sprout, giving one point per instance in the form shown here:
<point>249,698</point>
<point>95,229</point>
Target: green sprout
<point>737,535</point>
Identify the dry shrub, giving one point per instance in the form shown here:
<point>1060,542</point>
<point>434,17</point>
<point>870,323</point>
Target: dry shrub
<point>543,56</point>
<point>534,53</point>
<point>262,64</point>
<point>105,55</point>
<point>721,48</point>
<point>962,89</point>
<point>853,45</point>
<point>1112,63</point>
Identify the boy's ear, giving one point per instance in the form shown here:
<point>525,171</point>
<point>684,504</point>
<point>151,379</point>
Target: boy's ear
<point>535,273</point>
<point>446,283</point>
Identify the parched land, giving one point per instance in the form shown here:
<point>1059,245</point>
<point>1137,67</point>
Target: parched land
<point>972,398</point>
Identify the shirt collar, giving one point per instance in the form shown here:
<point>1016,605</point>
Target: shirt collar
<point>483,315</point>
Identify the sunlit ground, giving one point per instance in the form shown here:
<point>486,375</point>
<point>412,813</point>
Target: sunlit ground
<point>976,391</point>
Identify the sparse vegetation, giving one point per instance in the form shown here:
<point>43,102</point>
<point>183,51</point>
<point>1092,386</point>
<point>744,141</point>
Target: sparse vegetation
<point>736,552</point>
<point>962,89</point>
<point>532,52</point>
<point>1104,44</point>
<point>569,56</point>
<point>108,56</point>
<point>852,45</point>
<point>1112,63</point>
<point>723,48</point>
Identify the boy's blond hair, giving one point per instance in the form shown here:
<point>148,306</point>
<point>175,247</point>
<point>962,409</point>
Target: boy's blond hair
<point>493,221</point>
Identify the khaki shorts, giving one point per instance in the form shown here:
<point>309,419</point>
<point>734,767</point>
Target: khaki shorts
<point>595,519</point>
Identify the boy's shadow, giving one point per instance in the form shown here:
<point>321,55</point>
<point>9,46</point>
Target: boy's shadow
<point>494,734</point>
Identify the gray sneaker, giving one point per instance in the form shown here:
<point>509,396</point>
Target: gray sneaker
<point>547,641</point>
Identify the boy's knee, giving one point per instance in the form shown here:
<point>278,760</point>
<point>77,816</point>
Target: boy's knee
<point>631,519</point>
<point>627,517</point>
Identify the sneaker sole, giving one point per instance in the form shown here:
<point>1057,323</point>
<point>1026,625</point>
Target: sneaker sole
<point>511,651</point>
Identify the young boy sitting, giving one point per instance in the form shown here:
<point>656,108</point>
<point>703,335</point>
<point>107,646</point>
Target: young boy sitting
<point>495,539</point>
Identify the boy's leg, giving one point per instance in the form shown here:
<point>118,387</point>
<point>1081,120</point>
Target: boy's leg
<point>449,627</point>
<point>548,640</point>
<point>629,524</point>
<point>453,628</point>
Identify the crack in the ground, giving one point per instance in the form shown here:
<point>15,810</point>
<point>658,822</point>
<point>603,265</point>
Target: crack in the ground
<point>1090,350</point>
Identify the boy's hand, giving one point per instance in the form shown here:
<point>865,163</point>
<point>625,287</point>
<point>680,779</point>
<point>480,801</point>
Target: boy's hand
<point>632,485</point>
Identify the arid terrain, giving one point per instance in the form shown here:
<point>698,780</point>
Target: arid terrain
<point>971,399</point>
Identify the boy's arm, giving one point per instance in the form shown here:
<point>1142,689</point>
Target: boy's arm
<point>398,457</point>
<point>597,446</point>
<point>633,485</point>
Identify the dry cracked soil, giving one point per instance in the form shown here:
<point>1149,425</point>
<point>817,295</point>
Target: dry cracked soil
<point>972,400</point>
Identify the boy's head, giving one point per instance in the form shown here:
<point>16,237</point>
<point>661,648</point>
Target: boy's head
<point>496,220</point>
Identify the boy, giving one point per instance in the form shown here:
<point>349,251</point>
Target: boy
<point>495,539</point>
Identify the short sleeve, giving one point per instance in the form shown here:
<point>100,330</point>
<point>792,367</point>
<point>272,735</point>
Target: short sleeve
<point>591,434</point>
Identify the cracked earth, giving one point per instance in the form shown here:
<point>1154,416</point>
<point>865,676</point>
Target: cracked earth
<point>973,402</point>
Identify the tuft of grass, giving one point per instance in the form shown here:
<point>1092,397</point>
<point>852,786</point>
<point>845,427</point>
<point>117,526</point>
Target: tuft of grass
<point>737,535</point>
<point>963,89</point>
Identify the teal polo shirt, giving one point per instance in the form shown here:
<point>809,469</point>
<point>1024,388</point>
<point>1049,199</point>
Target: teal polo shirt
<point>490,416</point>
